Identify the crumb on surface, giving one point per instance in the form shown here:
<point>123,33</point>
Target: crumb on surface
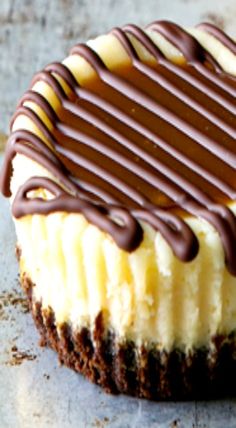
<point>18,357</point>
<point>14,348</point>
<point>175,423</point>
<point>100,423</point>
<point>13,298</point>
<point>46,376</point>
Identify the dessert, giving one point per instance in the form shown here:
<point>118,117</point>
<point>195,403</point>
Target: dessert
<point>121,171</point>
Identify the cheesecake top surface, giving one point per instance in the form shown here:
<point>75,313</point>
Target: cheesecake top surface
<point>148,140</point>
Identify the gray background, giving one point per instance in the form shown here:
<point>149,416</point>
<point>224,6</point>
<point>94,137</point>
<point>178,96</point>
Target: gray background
<point>34,391</point>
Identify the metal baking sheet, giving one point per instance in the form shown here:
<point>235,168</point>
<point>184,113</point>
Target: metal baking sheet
<point>36,392</point>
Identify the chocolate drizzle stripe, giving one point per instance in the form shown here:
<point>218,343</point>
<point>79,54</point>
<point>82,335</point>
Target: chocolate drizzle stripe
<point>94,190</point>
<point>99,171</point>
<point>180,72</point>
<point>129,48</point>
<point>26,143</point>
<point>185,43</point>
<point>82,188</point>
<point>170,87</point>
<point>146,133</point>
<point>39,100</point>
<point>26,111</point>
<point>77,194</point>
<point>203,87</point>
<point>141,98</point>
<point>219,35</point>
<point>171,227</point>
<point>32,140</point>
<point>194,104</point>
<point>144,40</point>
<point>110,109</point>
<point>192,51</point>
<point>124,231</point>
<point>48,78</point>
<point>215,79</point>
<point>62,71</point>
<point>155,179</point>
<point>37,151</point>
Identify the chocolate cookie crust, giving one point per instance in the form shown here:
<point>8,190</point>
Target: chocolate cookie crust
<point>145,372</point>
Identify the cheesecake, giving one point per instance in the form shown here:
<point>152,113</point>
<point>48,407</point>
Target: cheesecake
<point>120,169</point>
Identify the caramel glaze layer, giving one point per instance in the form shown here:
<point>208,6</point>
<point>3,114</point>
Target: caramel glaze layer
<point>149,142</point>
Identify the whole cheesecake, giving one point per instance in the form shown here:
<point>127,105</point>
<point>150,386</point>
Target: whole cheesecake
<point>120,166</point>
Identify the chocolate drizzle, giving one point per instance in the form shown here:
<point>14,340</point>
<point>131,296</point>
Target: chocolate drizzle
<point>219,35</point>
<point>137,144</point>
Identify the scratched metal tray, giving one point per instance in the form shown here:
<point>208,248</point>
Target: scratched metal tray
<point>36,392</point>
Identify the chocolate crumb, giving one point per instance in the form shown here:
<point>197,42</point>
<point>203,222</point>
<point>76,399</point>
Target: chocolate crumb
<point>175,423</point>
<point>18,357</point>
<point>46,376</point>
<point>98,423</point>
<point>18,252</point>
<point>12,298</point>
<point>37,415</point>
<point>14,348</point>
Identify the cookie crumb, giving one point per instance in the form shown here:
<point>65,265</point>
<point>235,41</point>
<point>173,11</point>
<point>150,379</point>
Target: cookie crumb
<point>14,348</point>
<point>175,423</point>
<point>18,357</point>
<point>46,376</point>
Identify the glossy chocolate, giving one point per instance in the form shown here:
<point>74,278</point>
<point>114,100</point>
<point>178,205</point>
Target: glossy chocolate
<point>218,34</point>
<point>148,142</point>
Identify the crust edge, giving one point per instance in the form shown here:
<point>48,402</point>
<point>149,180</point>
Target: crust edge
<point>144,372</point>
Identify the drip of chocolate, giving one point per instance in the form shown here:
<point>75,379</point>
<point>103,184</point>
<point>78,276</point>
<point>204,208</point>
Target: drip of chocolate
<point>148,142</point>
